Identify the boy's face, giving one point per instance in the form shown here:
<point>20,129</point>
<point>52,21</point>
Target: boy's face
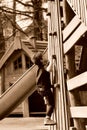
<point>44,62</point>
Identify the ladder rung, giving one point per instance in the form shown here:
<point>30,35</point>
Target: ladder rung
<point>71,27</point>
<point>78,112</point>
<point>77,81</point>
<point>74,37</point>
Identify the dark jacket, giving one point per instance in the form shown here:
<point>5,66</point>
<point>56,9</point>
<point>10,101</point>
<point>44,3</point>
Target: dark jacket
<point>43,81</point>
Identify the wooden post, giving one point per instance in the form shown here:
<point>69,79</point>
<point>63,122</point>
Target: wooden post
<point>2,73</point>
<point>51,51</point>
<point>25,106</point>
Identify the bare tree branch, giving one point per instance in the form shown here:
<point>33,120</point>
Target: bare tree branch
<point>31,5</point>
<point>19,13</point>
<point>7,8</point>
<point>24,3</point>
<point>16,25</point>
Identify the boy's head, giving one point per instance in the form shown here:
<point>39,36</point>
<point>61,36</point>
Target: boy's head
<point>38,58</point>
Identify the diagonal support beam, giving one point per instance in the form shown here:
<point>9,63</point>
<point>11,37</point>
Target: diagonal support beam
<point>74,37</point>
<point>77,81</point>
<point>74,23</point>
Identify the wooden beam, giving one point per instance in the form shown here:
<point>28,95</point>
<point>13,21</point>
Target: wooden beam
<point>7,55</point>
<point>74,37</point>
<point>71,27</point>
<point>28,51</point>
<point>77,81</point>
<point>25,108</point>
<point>79,112</point>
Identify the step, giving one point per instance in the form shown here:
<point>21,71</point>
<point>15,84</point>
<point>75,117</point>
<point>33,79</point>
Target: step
<point>78,112</point>
<point>68,44</point>
<point>28,123</point>
<point>40,45</point>
<point>77,81</point>
<point>71,27</point>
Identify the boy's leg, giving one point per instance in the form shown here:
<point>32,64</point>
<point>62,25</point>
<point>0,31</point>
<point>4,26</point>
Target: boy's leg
<point>49,101</point>
<point>47,120</point>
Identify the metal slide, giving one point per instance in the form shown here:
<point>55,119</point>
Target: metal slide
<point>22,88</point>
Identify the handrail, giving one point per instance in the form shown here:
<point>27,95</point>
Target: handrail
<point>80,9</point>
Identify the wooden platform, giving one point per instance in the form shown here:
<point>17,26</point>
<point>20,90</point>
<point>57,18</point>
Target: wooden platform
<point>29,123</point>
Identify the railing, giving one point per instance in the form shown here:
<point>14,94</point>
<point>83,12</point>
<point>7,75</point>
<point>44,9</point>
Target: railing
<point>80,8</point>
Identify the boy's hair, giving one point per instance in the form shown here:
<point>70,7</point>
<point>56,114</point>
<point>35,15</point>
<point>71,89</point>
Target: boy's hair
<point>37,57</point>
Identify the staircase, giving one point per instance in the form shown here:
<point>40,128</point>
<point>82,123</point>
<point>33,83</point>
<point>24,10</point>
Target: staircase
<point>77,83</point>
<point>40,45</point>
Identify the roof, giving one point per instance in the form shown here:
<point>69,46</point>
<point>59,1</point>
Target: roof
<point>19,44</point>
<point>16,45</point>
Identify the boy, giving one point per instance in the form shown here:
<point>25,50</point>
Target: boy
<point>44,87</point>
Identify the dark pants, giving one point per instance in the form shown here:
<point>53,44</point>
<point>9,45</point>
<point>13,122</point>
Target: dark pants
<point>49,101</point>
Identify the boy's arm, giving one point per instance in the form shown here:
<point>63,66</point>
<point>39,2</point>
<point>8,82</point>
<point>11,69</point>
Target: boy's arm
<point>52,63</point>
<point>50,67</point>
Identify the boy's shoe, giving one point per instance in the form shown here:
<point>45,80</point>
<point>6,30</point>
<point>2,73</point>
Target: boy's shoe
<point>48,121</point>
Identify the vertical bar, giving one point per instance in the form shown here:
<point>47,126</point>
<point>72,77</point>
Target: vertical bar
<point>49,29</point>
<point>85,12</point>
<point>64,118</point>
<point>76,7</point>
<point>51,44</point>
<point>73,3</point>
<point>69,1</point>
<point>53,26</point>
<point>80,8</point>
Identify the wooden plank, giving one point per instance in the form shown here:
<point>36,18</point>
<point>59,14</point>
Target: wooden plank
<point>27,50</point>
<point>79,112</point>
<point>74,37</point>
<point>28,123</point>
<point>77,81</point>
<point>71,27</point>
<point>17,43</point>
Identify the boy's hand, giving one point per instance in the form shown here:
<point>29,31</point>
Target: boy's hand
<point>56,85</point>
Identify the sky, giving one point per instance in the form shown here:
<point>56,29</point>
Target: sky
<point>19,19</point>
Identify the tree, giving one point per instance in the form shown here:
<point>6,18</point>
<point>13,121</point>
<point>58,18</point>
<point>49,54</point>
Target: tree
<point>33,11</point>
<point>2,42</point>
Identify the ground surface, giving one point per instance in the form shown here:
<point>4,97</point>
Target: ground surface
<point>23,124</point>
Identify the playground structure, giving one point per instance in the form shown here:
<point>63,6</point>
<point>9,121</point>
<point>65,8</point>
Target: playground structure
<point>70,107</point>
